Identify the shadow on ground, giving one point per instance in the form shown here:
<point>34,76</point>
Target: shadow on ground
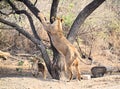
<point>17,72</point>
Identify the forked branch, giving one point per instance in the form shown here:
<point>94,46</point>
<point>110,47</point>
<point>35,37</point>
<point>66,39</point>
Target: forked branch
<point>34,40</point>
<point>81,18</point>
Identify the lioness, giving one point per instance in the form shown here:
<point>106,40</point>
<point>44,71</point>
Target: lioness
<point>62,45</point>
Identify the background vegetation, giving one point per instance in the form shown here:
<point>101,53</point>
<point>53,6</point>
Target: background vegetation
<point>101,29</point>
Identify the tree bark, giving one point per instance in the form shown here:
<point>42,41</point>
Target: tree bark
<point>56,56</point>
<point>81,18</point>
<point>32,8</point>
<point>38,43</point>
<point>72,33</point>
<point>35,11</point>
<point>17,11</point>
<point>53,12</point>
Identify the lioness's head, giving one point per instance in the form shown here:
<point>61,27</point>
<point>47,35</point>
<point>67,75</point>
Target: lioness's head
<point>57,24</point>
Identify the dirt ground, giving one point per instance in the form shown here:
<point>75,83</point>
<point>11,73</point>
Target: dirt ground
<point>13,76</point>
<point>108,82</point>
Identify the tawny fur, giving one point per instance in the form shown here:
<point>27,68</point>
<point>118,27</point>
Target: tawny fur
<point>4,55</point>
<point>38,67</point>
<point>63,46</point>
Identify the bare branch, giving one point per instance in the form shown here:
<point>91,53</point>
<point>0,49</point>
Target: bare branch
<point>28,16</point>
<point>53,12</point>
<point>81,53</point>
<point>12,5</point>
<point>6,28</point>
<point>35,2</point>
<point>38,43</point>
<point>81,18</point>
<point>30,21</point>
<point>32,8</point>
<point>20,29</point>
<point>91,46</point>
<point>37,13</point>
<point>6,13</point>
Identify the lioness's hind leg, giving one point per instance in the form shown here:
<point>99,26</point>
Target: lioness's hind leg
<point>78,72</point>
<point>71,74</point>
<point>76,64</point>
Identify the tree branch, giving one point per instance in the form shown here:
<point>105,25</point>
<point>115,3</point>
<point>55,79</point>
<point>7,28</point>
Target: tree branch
<point>38,43</point>
<point>30,21</point>
<point>53,12</point>
<point>41,18</point>
<point>35,2</point>
<point>32,8</point>
<point>81,18</point>
<point>6,13</point>
<point>28,16</point>
<point>12,5</point>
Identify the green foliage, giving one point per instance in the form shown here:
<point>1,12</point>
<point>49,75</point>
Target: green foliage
<point>71,5</point>
<point>115,24</point>
<point>79,40</point>
<point>68,19</point>
<point>16,16</point>
<point>20,63</point>
<point>49,52</point>
<point>103,35</point>
<point>3,39</point>
<point>61,0</point>
<point>3,4</point>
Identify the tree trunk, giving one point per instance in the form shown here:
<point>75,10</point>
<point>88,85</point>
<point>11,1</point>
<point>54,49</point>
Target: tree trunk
<point>71,36</point>
<point>81,18</point>
<point>32,8</point>
<point>38,43</point>
<point>53,13</point>
<point>35,11</point>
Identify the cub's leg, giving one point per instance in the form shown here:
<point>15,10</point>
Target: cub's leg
<point>44,74</point>
<point>41,68</point>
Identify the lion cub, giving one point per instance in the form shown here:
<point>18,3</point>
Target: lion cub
<point>38,67</point>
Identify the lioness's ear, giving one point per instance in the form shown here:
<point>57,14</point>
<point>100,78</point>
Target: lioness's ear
<point>62,20</point>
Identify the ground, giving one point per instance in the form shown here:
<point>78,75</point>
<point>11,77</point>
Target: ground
<point>15,75</point>
<point>108,82</point>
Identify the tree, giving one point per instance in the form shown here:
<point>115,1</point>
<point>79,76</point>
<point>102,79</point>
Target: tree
<point>36,39</point>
